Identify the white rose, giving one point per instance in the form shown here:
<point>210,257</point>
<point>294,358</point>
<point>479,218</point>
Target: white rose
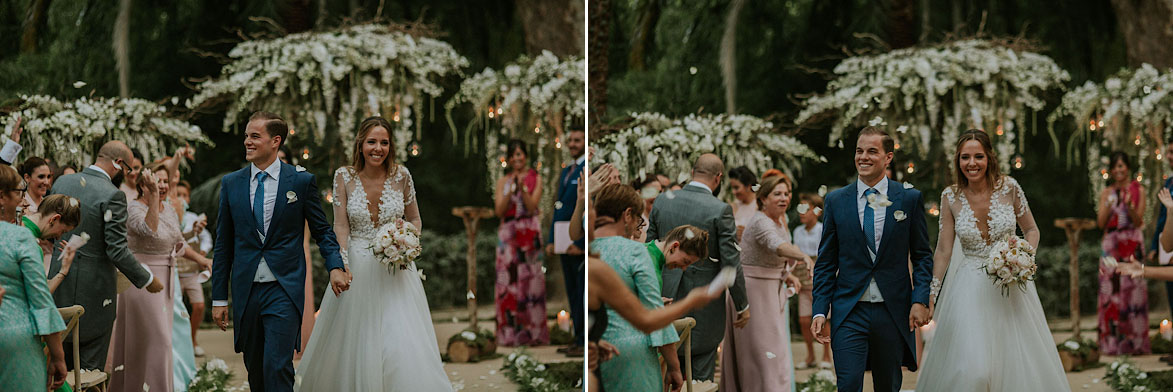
<point>1004,273</point>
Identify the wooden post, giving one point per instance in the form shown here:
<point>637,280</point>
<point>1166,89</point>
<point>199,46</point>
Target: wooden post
<point>1073,227</point>
<point>472,216</point>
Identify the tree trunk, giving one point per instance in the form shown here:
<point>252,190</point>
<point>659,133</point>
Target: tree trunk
<point>34,21</point>
<point>122,47</point>
<point>554,25</point>
<point>1148,30</point>
<point>644,35</point>
<point>600,34</point>
<point>728,55</point>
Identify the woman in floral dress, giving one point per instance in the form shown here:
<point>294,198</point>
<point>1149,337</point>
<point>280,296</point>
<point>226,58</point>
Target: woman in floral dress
<point>521,284</point>
<point>1123,301</point>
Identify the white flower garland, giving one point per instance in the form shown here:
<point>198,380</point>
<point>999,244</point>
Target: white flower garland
<point>529,373</point>
<point>323,81</point>
<point>525,97</point>
<point>1131,111</point>
<point>931,94</point>
<point>68,132</point>
<point>653,143</point>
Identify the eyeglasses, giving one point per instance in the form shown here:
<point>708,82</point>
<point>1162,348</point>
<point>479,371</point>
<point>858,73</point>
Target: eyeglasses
<point>642,223</point>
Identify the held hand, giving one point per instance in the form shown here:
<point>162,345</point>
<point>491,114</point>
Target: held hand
<point>155,286</point>
<point>742,319</point>
<point>205,263</point>
<point>1131,268</point>
<point>339,280</point>
<point>918,316</point>
<point>817,325</point>
<point>220,317</point>
<point>932,308</point>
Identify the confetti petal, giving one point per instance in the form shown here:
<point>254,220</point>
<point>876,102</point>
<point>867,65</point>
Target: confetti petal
<point>823,188</point>
<point>79,84</point>
<point>818,210</point>
<point>83,183</point>
<point>109,215</point>
<point>908,185</point>
<point>119,368</point>
<point>714,260</point>
<point>803,208</point>
<point>770,355</point>
<point>755,187</point>
<point>688,234</point>
<point>736,246</point>
<point>558,205</point>
<point>670,195</point>
<point>146,387</point>
<point>422,276</point>
<point>107,303</point>
<point>470,295</point>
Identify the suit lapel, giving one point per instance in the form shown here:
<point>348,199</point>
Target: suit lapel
<point>284,185</point>
<point>242,199</point>
<point>895,194</point>
<point>855,216</point>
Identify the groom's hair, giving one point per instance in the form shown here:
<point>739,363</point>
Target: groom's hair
<point>886,139</point>
<point>693,240</point>
<point>274,125</point>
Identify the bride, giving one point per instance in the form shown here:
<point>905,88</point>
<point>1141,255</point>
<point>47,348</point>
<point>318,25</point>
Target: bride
<point>985,341</point>
<point>378,336</point>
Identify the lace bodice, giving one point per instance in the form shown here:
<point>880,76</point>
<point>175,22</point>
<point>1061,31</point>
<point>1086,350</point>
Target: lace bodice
<point>395,198</point>
<point>1007,206</point>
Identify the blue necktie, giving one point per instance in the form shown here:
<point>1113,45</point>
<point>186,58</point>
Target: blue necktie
<point>869,220</point>
<point>259,202</point>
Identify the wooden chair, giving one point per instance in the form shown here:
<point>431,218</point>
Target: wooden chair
<point>88,380</point>
<point>684,329</point>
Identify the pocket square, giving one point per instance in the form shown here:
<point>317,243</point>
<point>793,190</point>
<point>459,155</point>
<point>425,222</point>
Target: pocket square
<point>899,215</point>
<point>290,197</point>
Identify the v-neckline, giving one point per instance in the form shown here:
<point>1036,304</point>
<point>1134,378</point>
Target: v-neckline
<point>986,240</point>
<point>374,215</point>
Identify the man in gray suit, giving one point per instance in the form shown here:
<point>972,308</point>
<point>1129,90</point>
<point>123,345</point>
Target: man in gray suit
<point>698,205</point>
<point>92,282</point>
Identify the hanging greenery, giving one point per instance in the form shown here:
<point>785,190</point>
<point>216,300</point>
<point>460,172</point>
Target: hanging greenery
<point>71,132</point>
<point>1132,111</point>
<point>653,144</point>
<point>929,95</point>
<point>324,83</point>
<point>531,99</point>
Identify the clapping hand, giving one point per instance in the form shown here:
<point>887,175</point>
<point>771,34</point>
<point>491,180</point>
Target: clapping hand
<point>151,184</point>
<point>17,130</point>
<point>603,176</point>
<point>1165,198</point>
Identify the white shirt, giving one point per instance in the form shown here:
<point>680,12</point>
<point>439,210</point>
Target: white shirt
<point>702,185</point>
<point>8,153</point>
<point>808,241</point>
<point>99,169</point>
<point>273,172</point>
<point>580,160</point>
<point>872,294</point>
<point>203,241</point>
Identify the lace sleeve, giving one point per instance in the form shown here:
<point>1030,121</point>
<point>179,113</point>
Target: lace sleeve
<point>1021,207</point>
<point>1026,220</point>
<point>136,220</point>
<point>945,240</point>
<point>342,177</point>
<point>411,210</point>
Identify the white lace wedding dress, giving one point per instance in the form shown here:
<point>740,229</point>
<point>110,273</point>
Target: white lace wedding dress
<point>985,341</point>
<point>378,335</point>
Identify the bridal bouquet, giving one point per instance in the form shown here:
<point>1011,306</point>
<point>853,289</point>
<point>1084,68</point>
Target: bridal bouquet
<point>397,244</point>
<point>1011,262</point>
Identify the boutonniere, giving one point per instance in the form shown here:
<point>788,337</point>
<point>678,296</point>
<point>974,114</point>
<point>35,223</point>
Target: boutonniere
<point>878,201</point>
<point>908,185</point>
<point>299,168</point>
<point>899,215</point>
<point>290,197</point>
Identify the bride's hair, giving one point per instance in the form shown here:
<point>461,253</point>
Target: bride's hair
<point>359,161</point>
<point>993,173</point>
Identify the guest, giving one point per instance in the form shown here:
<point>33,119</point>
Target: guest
<point>1162,216</point>
<point>695,205</point>
<point>1123,301</point>
<point>1164,237</point>
<point>741,183</point>
<point>771,173</point>
<point>106,252</point>
<point>665,182</point>
<point>129,184</point>
<point>680,248</point>
<point>58,214</point>
<point>767,258</point>
<point>62,170</point>
<point>142,336</point>
<point>648,189</point>
<point>807,237</point>
<point>521,284</point>
<point>28,316</point>
<point>637,368</point>
<point>12,145</point>
<point>37,176</point>
<point>310,313</point>
<point>189,271</point>
<point>573,259</point>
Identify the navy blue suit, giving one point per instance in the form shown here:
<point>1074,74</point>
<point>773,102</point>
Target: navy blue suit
<point>867,335</point>
<point>268,315</point>
<point>1161,216</point>
<point>573,272</point>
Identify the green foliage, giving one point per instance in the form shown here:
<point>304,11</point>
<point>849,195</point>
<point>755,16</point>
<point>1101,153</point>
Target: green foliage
<point>558,337</point>
<point>534,376</point>
<point>1053,280</point>
<point>1124,376</point>
<point>1162,380</point>
<point>481,339</point>
<point>821,381</point>
<point>212,376</point>
<point>1161,345</point>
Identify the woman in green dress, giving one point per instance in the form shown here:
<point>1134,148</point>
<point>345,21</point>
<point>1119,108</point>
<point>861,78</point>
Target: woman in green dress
<point>28,314</point>
<point>637,367</point>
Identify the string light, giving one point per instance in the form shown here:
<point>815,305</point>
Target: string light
<point>1018,163</point>
<point>897,146</point>
<point>305,153</point>
<point>395,117</point>
<point>499,110</point>
<point>1139,177</point>
<point>1104,173</point>
<point>292,131</point>
<point>999,131</point>
<point>1092,125</point>
<point>503,164</point>
<point>537,128</point>
<point>934,210</point>
<point>1100,123</point>
<point>329,197</point>
<point>911,168</point>
<point>415,149</point>
<point>492,112</point>
<point>557,143</point>
<point>1137,141</point>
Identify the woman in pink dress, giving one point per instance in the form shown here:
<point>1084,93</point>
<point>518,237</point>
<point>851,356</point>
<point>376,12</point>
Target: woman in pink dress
<point>140,346</point>
<point>757,357</point>
<point>1123,301</point>
<point>521,284</point>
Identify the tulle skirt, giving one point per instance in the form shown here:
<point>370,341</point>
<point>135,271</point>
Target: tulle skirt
<point>377,336</point>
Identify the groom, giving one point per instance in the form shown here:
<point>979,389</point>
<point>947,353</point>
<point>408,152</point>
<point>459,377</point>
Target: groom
<point>259,235</point>
<point>871,230</point>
